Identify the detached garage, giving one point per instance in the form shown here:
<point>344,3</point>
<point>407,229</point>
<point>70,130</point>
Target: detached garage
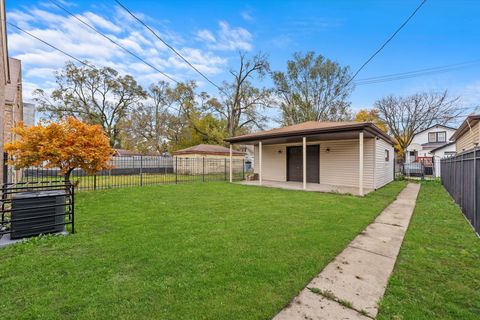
<point>207,159</point>
<point>346,157</point>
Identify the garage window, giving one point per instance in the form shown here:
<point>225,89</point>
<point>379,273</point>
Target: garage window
<point>387,155</point>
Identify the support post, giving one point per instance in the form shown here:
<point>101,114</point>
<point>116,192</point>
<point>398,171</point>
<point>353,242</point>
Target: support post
<point>304,162</point>
<point>231,172</point>
<point>360,165</point>
<point>176,170</point>
<point>260,163</point>
<point>225,169</point>
<point>243,169</point>
<point>141,171</point>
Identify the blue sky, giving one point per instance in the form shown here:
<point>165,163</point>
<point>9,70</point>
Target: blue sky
<point>210,33</point>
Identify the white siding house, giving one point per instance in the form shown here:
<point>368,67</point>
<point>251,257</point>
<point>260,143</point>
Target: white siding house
<point>429,146</point>
<point>349,157</point>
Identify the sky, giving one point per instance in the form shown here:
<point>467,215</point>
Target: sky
<point>211,33</point>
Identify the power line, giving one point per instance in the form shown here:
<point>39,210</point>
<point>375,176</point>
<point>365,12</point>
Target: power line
<point>66,53</point>
<point>168,45</point>
<point>112,41</point>
<point>415,73</point>
<point>386,42</point>
<point>52,46</point>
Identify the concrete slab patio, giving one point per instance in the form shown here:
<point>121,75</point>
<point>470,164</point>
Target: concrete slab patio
<point>351,286</point>
<point>312,187</point>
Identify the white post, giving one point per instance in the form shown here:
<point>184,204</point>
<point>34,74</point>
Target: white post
<point>304,163</point>
<point>360,168</point>
<point>260,162</point>
<point>231,175</point>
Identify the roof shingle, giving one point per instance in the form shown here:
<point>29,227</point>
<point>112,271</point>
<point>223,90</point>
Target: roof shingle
<point>208,149</point>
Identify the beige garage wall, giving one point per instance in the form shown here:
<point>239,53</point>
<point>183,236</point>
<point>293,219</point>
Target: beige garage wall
<point>383,169</point>
<point>193,163</point>
<point>468,139</point>
<point>274,162</point>
<point>339,166</point>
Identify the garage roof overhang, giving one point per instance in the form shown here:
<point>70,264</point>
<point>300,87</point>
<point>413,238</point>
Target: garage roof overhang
<point>341,132</point>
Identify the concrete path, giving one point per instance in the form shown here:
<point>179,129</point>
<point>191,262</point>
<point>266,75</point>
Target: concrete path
<point>353,283</point>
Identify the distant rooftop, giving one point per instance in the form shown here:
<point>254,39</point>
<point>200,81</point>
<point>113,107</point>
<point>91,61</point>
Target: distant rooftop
<point>208,149</point>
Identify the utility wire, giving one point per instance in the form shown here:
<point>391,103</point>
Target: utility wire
<point>112,41</point>
<point>386,42</point>
<point>449,66</point>
<point>415,73</point>
<point>52,46</point>
<point>168,45</point>
<point>67,54</point>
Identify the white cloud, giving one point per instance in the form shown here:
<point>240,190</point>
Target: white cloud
<point>226,38</point>
<point>98,21</point>
<point>206,35</point>
<point>229,38</point>
<point>65,32</point>
<point>246,15</point>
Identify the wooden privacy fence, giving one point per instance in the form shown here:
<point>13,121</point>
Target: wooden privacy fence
<point>460,175</point>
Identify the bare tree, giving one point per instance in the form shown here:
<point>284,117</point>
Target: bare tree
<point>242,103</point>
<point>313,88</point>
<point>146,129</point>
<point>99,96</point>
<point>406,116</point>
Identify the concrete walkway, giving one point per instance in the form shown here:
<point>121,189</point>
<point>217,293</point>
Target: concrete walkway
<point>353,283</point>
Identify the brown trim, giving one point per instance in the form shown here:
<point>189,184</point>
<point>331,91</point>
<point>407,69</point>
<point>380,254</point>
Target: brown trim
<point>369,127</point>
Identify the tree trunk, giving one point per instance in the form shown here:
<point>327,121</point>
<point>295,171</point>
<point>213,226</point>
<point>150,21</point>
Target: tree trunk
<point>67,175</point>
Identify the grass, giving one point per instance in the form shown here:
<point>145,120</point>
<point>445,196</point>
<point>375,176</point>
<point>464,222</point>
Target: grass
<point>191,251</point>
<point>437,275</point>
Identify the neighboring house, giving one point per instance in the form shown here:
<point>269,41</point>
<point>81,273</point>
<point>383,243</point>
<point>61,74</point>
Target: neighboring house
<point>13,110</point>
<point>13,113</point>
<point>446,150</point>
<point>467,135</point>
<point>355,155</point>
<point>28,114</point>
<point>191,160</point>
<point>435,138</point>
<point>4,75</point>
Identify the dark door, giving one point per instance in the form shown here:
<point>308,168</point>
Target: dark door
<point>313,164</point>
<point>295,164</point>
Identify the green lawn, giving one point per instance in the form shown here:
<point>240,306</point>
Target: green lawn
<point>190,251</point>
<point>437,275</point>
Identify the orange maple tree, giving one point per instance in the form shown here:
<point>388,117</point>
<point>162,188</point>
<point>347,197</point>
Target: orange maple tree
<point>67,144</point>
<point>372,115</point>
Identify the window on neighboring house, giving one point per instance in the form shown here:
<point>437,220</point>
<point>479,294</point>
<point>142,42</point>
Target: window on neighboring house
<point>387,155</point>
<point>449,153</point>
<point>440,136</point>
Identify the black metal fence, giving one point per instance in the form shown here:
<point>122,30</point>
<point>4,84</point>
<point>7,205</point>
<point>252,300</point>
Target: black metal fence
<point>143,170</point>
<point>34,208</point>
<point>461,177</point>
